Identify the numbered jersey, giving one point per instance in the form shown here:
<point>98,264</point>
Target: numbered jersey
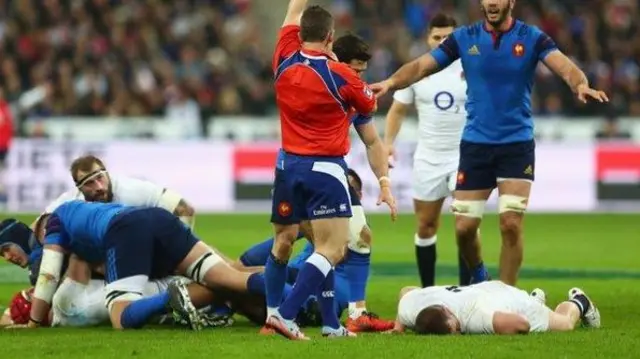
<point>440,103</point>
<point>126,190</point>
<point>473,305</point>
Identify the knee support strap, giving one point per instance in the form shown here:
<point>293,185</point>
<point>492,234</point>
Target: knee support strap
<point>512,203</point>
<point>199,268</point>
<point>474,209</point>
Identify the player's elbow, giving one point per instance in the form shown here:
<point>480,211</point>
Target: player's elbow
<point>510,323</point>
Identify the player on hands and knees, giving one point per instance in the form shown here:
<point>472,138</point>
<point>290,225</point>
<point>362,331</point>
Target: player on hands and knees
<point>315,95</point>
<point>135,244</point>
<point>490,308</point>
<point>499,56</point>
<point>439,101</point>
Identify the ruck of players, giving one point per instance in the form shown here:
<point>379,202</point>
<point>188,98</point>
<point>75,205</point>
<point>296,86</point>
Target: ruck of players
<point>122,251</point>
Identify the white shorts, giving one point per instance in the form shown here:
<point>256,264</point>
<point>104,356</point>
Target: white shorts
<point>433,181</point>
<point>518,301</point>
<point>76,305</point>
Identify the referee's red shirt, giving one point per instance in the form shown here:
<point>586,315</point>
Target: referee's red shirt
<point>315,94</point>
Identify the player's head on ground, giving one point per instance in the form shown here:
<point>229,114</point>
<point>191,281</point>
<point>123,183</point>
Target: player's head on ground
<point>352,50</point>
<point>436,320</point>
<point>440,26</point>
<point>496,12</point>
<point>92,179</point>
<point>317,26</point>
<point>355,181</point>
<point>15,241</point>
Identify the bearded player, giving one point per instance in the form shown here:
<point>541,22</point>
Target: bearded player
<point>499,56</point>
<point>490,308</point>
<point>440,101</point>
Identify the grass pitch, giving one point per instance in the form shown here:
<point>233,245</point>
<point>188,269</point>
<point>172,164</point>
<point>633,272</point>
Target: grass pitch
<point>596,252</point>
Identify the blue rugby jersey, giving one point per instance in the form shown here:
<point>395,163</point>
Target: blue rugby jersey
<point>499,69</point>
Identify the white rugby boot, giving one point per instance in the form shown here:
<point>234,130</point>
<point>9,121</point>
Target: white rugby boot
<point>591,318</point>
<point>539,295</point>
<point>329,332</point>
<point>183,308</point>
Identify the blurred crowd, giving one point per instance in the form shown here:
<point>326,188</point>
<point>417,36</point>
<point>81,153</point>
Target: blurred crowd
<point>193,59</point>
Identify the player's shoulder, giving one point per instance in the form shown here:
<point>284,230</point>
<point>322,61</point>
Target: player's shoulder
<point>469,30</point>
<point>341,69</point>
<point>527,31</point>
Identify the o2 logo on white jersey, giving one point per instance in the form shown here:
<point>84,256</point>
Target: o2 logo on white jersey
<point>444,101</point>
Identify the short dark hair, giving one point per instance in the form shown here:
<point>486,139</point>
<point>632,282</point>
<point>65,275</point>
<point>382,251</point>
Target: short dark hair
<point>84,164</point>
<point>351,47</point>
<point>432,320</point>
<point>356,178</point>
<point>442,20</point>
<point>316,24</point>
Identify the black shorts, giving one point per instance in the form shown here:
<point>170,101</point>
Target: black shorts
<point>146,241</point>
<point>482,165</point>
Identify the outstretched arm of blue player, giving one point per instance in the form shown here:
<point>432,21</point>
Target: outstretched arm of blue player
<point>562,66</point>
<point>416,70</point>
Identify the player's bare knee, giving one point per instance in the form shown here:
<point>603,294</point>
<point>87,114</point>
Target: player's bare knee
<point>510,226</point>
<point>466,229</point>
<point>427,228</point>
<point>285,237</point>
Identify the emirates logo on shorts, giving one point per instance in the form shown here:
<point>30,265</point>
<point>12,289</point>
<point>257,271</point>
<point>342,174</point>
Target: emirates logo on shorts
<point>284,209</point>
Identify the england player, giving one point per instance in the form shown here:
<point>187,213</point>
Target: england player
<point>135,244</point>
<point>499,56</point>
<point>490,308</point>
<point>315,95</point>
<point>439,100</point>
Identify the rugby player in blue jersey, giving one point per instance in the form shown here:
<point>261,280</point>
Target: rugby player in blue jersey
<point>499,57</point>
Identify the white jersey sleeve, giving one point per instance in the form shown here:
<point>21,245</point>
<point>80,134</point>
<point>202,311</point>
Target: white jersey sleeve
<point>404,96</point>
<point>135,192</point>
<point>69,195</point>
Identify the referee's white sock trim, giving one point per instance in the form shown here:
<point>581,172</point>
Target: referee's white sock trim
<point>425,242</point>
<point>320,262</point>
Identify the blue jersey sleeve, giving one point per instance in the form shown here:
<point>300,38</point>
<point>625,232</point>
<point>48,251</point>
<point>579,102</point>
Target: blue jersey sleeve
<point>448,51</point>
<point>55,232</point>
<point>544,44</point>
<point>359,119</point>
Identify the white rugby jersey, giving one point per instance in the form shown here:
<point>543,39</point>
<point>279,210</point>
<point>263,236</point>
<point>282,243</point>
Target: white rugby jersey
<point>439,101</point>
<point>126,190</point>
<point>473,305</point>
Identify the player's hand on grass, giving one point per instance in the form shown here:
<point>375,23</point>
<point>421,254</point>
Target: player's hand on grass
<point>585,92</point>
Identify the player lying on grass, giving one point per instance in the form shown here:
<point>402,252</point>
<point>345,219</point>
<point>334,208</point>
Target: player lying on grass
<point>490,308</point>
<point>135,244</point>
<point>351,275</point>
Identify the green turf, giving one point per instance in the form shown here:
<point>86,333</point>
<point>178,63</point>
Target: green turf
<point>596,252</point>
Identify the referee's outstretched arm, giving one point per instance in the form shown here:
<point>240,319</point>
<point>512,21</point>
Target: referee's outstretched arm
<point>294,12</point>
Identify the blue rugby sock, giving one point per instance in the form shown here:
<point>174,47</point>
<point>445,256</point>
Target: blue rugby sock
<point>136,314</point>
<point>357,269</point>
<point>312,275</point>
<point>479,274</point>
<point>327,302</point>
<point>275,274</point>
<point>259,253</point>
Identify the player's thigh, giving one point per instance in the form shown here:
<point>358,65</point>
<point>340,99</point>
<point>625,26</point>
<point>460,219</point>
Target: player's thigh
<point>515,172</point>
<point>172,242</point>
<point>476,167</point>
<point>430,181</point>
<point>286,206</point>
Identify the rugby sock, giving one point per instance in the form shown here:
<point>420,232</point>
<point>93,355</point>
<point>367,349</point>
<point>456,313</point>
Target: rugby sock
<point>275,274</point>
<point>327,302</point>
<point>312,275</point>
<point>259,253</point>
<point>256,284</point>
<point>464,275</point>
<point>582,302</point>
<point>357,269</point>
<point>426,257</point>
<point>479,274</point>
<point>138,312</point>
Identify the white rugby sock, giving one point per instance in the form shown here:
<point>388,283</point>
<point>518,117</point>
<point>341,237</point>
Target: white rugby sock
<point>356,312</point>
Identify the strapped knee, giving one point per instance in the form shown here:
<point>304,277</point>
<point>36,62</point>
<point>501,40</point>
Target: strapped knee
<point>199,268</point>
<point>466,208</point>
<point>512,203</point>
